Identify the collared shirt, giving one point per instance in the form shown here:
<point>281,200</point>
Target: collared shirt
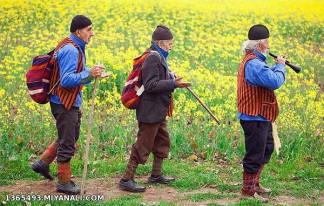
<point>67,58</point>
<point>258,73</point>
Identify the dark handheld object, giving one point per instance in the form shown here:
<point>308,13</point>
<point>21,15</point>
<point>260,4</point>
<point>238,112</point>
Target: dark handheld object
<point>202,104</point>
<point>294,67</point>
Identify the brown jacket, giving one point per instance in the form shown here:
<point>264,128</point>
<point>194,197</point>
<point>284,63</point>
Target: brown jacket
<point>157,90</point>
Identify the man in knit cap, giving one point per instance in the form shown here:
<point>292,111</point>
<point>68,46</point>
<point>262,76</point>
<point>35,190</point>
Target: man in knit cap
<point>257,106</point>
<point>156,103</point>
<point>69,76</point>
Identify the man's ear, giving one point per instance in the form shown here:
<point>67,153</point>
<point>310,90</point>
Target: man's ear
<point>77,33</point>
<point>259,46</point>
<point>159,44</point>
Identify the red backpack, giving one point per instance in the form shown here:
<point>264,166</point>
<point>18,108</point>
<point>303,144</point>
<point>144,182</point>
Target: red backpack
<point>133,88</point>
<point>39,75</point>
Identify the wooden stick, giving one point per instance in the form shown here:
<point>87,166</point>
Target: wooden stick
<point>85,168</point>
<point>211,114</point>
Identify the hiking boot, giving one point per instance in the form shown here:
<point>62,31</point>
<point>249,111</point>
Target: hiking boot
<point>254,196</point>
<point>40,167</point>
<point>70,188</point>
<point>131,186</point>
<point>160,179</point>
<point>262,190</point>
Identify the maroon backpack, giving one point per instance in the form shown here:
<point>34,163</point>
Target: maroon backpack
<point>133,88</point>
<point>38,77</point>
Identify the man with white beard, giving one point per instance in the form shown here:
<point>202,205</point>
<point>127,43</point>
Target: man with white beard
<point>257,107</point>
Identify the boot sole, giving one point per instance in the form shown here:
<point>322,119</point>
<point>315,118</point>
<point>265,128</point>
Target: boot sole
<point>157,182</point>
<point>130,190</point>
<point>264,194</point>
<point>247,197</point>
<point>66,192</point>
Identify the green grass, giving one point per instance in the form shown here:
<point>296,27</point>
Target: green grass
<point>123,200</point>
<point>249,202</point>
<point>298,170</point>
<point>127,200</point>
<point>304,182</point>
<point>209,196</point>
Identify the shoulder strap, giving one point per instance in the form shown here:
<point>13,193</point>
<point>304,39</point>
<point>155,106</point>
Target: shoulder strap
<point>156,53</point>
<point>63,43</point>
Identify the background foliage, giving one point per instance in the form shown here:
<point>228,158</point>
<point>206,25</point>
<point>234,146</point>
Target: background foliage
<point>206,51</point>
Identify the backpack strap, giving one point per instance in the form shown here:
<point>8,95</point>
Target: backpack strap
<point>156,53</point>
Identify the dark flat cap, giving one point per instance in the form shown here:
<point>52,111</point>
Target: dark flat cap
<point>162,33</point>
<point>258,32</point>
<point>79,22</point>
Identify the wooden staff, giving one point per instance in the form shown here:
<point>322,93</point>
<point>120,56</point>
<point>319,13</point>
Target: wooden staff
<point>202,104</point>
<point>85,168</point>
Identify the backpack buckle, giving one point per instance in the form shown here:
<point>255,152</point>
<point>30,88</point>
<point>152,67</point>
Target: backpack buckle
<point>55,55</point>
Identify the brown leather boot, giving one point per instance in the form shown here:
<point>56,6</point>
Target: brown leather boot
<point>258,187</point>
<point>262,190</point>
<point>248,188</point>
<point>156,176</point>
<point>127,182</point>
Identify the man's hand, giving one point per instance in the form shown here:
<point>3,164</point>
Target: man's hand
<point>181,84</point>
<point>280,59</point>
<point>96,71</point>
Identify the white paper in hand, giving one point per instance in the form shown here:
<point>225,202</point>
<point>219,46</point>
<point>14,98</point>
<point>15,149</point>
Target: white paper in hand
<point>105,74</point>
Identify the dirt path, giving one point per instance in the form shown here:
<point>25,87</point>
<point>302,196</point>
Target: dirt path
<point>109,188</point>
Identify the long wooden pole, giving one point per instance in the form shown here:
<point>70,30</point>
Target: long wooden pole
<point>206,108</point>
<point>85,168</point>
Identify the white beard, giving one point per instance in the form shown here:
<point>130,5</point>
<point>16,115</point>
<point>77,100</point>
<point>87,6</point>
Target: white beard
<point>265,52</point>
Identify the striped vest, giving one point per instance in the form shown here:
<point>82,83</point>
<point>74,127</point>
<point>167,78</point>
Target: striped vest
<point>68,96</point>
<point>255,100</point>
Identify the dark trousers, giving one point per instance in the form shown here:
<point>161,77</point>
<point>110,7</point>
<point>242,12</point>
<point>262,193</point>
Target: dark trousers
<point>68,127</point>
<point>151,138</point>
<point>258,144</point>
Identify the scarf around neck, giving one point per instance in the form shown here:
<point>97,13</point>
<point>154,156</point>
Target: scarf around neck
<point>164,53</point>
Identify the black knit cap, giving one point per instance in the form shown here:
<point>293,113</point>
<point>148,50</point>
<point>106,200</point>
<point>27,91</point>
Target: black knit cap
<point>79,22</point>
<point>162,33</point>
<point>258,32</point>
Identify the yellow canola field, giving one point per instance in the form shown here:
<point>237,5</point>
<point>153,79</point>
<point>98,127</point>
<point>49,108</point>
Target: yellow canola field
<point>207,39</point>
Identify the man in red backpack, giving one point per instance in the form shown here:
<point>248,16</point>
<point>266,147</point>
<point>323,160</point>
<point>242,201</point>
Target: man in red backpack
<point>156,103</point>
<point>70,74</point>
